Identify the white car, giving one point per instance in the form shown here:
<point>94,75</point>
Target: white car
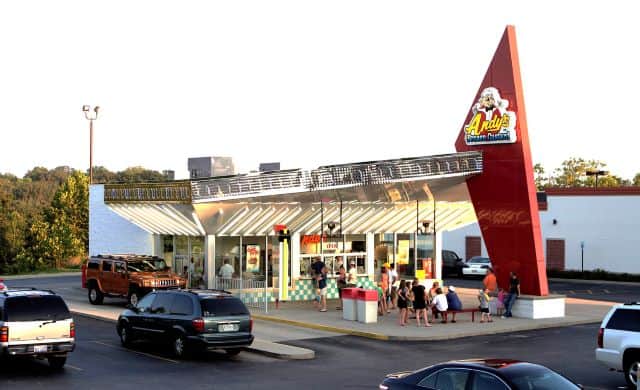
<point>619,341</point>
<point>476,266</point>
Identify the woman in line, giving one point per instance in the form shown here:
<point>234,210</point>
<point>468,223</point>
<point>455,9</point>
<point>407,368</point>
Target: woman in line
<point>402,302</point>
<point>420,302</point>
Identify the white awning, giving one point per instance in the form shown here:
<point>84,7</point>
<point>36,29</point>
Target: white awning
<point>172,219</point>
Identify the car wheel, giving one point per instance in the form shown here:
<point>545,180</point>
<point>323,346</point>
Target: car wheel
<point>631,365</point>
<point>233,351</point>
<point>57,362</point>
<point>126,338</point>
<point>133,298</point>
<point>95,295</point>
<point>180,347</point>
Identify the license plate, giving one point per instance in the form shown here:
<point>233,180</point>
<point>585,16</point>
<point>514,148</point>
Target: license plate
<point>475,271</point>
<point>228,328</point>
<point>39,348</point>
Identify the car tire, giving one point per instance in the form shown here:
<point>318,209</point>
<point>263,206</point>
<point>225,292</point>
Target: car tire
<point>179,346</point>
<point>631,364</point>
<point>126,336</point>
<point>133,297</point>
<point>96,297</point>
<point>232,351</point>
<point>57,362</point>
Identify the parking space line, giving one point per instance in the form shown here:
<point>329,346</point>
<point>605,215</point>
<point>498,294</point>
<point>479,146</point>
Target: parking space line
<point>73,367</point>
<point>138,352</point>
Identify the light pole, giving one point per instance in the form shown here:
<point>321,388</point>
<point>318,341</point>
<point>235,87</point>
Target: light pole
<point>596,173</point>
<point>91,116</point>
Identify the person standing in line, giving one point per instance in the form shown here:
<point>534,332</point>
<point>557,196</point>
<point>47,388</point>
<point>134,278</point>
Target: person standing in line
<point>514,293</point>
<point>420,302</point>
<point>393,283</point>
<point>483,297</point>
<point>322,286</point>
<point>341,282</point>
<point>192,271</point>
<point>402,302</point>
<point>226,273</point>
<point>490,282</point>
<point>410,309</point>
<point>384,283</point>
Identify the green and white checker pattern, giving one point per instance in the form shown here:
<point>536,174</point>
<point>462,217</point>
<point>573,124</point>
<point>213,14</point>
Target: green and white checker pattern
<point>305,289</point>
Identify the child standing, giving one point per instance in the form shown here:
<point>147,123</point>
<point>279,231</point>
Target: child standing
<point>500,306</point>
<point>483,297</point>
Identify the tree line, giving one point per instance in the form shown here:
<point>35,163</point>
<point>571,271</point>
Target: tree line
<point>44,216</point>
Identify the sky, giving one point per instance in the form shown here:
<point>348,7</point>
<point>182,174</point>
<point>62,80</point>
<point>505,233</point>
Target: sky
<point>305,83</point>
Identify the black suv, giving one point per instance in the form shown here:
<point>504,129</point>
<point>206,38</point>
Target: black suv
<point>189,320</point>
<point>451,263</point>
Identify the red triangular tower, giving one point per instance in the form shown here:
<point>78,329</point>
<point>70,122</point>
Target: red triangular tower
<point>504,195</point>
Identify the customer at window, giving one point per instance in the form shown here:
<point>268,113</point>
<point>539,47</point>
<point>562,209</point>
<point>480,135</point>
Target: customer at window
<point>352,276</point>
<point>226,273</point>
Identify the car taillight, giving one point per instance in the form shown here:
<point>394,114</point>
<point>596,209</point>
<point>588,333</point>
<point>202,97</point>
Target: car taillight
<point>250,324</point>
<point>601,338</point>
<point>72,330</point>
<point>198,325</point>
<point>4,334</point>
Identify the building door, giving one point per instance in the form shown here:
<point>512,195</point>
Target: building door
<point>555,254</point>
<point>473,246</point>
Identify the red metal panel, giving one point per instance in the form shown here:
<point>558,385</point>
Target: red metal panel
<point>504,196</point>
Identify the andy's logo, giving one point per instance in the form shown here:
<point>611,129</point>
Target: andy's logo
<point>491,122</point>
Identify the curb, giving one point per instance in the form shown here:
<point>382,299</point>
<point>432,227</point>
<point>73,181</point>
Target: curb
<point>589,281</point>
<point>383,337</point>
<point>263,350</point>
<point>328,328</point>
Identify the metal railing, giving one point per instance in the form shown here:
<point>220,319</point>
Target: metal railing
<point>252,292</point>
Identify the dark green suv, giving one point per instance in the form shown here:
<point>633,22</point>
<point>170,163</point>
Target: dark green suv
<point>189,320</point>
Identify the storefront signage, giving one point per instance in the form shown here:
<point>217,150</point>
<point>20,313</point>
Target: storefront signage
<point>253,258</point>
<point>179,192</point>
<point>491,123</point>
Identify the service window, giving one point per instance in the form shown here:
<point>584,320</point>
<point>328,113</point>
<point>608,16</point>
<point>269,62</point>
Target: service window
<point>182,305</point>
<point>625,319</point>
<point>162,304</point>
<point>106,266</point>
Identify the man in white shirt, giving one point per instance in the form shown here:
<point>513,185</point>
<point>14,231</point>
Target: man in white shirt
<point>226,273</point>
<point>393,285</point>
<point>440,303</point>
<point>352,276</point>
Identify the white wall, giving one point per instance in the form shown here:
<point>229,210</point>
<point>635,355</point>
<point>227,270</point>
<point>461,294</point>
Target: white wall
<point>608,225</point>
<point>455,240</point>
<point>110,233</point>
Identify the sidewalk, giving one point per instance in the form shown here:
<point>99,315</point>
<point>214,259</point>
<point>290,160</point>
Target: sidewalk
<point>578,311</point>
<point>268,348</point>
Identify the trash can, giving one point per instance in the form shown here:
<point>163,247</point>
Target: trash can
<point>349,307</point>
<point>367,303</point>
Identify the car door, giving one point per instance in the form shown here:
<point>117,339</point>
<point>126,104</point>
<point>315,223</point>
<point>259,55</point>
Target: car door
<point>159,319</point>
<point>137,321</point>
<point>119,282</point>
<point>106,276</point>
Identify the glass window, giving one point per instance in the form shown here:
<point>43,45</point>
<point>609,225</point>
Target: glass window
<point>35,308</point>
<point>106,266</point>
<point>161,304</point>
<point>119,267</point>
<point>145,303</point>
<point>452,379</point>
<point>429,382</point>
<point>486,381</point>
<point>182,305</point>
<point>625,319</point>
<point>93,265</point>
<point>536,377</point>
<point>212,307</point>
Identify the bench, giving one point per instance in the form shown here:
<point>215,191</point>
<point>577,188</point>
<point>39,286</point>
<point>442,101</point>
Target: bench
<point>473,312</point>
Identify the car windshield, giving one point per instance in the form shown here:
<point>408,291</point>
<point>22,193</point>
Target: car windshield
<point>159,264</point>
<point>141,266</point>
<point>219,307</point>
<point>36,308</point>
<point>534,377</point>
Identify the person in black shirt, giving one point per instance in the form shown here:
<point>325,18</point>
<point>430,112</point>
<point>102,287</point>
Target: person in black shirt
<point>514,292</point>
<point>419,302</point>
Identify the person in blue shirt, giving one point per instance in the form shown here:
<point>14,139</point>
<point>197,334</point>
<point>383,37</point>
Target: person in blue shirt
<point>453,302</point>
<point>322,286</point>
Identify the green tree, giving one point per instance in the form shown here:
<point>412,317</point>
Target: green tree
<point>636,179</point>
<point>539,176</point>
<point>138,174</point>
<point>573,173</point>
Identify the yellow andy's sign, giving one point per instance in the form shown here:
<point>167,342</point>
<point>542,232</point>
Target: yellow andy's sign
<point>491,122</point>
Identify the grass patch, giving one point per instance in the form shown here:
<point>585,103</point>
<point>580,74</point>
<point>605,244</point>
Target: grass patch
<point>596,274</point>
